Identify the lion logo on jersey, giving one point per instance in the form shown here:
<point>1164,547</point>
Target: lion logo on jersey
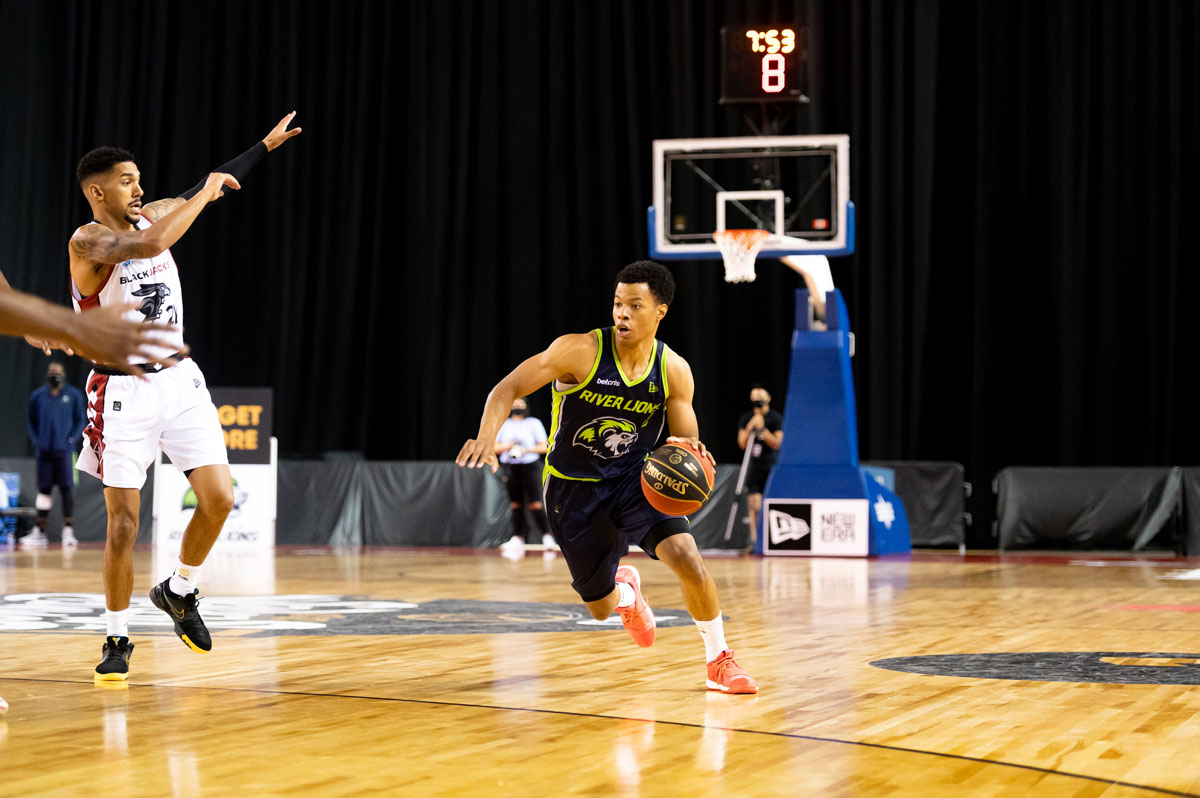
<point>152,303</point>
<point>607,437</point>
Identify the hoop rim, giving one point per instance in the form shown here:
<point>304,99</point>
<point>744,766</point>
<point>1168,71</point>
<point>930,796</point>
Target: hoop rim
<point>742,232</point>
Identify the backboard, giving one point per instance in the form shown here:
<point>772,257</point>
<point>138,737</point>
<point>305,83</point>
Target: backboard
<point>795,187</point>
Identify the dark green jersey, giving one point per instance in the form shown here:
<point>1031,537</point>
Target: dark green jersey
<point>607,424</point>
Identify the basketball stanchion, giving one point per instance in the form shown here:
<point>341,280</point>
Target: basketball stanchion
<point>741,485</point>
<point>739,248</point>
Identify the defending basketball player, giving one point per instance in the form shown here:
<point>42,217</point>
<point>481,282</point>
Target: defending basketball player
<point>614,388</point>
<point>122,256</point>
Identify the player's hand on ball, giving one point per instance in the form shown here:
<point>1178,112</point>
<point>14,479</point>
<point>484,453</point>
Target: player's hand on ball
<point>695,443</point>
<point>477,454</point>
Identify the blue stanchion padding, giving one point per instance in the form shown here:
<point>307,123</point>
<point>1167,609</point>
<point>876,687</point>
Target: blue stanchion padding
<point>883,476</point>
<point>818,459</point>
<point>889,533</point>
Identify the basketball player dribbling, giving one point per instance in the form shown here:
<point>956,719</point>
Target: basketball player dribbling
<point>122,256</point>
<point>613,389</point>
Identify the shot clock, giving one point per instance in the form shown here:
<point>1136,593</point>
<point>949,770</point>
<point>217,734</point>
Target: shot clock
<point>763,63</point>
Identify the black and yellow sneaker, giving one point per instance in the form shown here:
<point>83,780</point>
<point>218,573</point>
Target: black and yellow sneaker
<point>184,611</point>
<point>115,665</point>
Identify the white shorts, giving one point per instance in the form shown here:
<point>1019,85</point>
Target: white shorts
<point>130,419</point>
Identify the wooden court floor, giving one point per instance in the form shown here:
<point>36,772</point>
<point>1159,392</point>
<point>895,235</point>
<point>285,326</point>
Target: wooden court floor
<point>443,673</point>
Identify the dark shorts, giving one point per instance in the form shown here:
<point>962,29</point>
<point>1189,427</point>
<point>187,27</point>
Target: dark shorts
<point>595,523</point>
<point>756,479</point>
<point>523,482</point>
<point>54,468</point>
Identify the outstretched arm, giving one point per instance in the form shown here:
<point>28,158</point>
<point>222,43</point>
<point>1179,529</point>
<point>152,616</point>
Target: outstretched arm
<point>239,167</point>
<point>569,358</point>
<point>681,417</point>
<point>93,245</point>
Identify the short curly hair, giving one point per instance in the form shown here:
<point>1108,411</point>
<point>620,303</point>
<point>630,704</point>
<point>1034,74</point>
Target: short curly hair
<point>99,161</point>
<point>654,275</point>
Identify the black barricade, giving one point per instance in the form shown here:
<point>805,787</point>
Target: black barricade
<point>1086,508</point>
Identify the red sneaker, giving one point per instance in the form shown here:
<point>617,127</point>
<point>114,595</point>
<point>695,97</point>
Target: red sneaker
<point>637,618</point>
<point>727,676</point>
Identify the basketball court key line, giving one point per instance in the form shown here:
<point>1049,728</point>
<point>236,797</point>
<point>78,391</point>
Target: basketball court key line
<point>676,723</point>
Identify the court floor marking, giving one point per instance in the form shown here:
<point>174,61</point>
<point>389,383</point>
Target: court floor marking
<point>680,724</point>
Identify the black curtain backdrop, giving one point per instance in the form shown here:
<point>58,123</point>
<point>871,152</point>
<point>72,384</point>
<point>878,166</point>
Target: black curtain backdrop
<point>471,176</point>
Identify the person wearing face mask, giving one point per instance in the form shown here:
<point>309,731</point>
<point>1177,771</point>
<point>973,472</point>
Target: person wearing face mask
<point>57,415</point>
<point>761,429</point>
<point>520,443</point>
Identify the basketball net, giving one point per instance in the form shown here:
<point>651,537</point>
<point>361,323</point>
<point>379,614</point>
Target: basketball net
<point>739,248</point>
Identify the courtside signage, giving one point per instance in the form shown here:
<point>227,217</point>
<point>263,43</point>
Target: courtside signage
<point>816,527</point>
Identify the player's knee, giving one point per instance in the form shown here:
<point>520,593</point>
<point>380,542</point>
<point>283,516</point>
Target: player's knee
<point>535,506</point>
<point>599,610</point>
<point>122,527</point>
<point>680,554</point>
<point>216,503</point>
<point>514,505</point>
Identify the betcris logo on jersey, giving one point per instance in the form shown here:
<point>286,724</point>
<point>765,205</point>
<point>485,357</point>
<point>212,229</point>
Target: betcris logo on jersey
<point>609,438</point>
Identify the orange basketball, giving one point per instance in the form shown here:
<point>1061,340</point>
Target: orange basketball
<point>676,479</point>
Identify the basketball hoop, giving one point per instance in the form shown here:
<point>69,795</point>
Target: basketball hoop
<point>739,248</point>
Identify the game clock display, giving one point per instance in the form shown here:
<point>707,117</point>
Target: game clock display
<point>763,63</point>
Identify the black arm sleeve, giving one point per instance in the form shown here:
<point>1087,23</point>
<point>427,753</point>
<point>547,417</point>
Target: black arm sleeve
<point>239,167</point>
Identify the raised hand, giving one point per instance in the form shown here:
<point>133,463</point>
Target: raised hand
<point>280,133</point>
<point>217,182</point>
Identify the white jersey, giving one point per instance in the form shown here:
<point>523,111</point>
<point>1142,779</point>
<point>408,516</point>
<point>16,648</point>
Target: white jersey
<point>152,282</point>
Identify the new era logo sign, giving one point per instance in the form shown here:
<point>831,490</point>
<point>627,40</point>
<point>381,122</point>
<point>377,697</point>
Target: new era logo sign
<point>790,527</point>
<point>825,527</point>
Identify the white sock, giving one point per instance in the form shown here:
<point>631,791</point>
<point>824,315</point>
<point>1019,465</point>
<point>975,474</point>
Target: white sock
<point>713,634</point>
<point>118,622</point>
<point>184,580</point>
<point>626,592</point>
<point>68,531</point>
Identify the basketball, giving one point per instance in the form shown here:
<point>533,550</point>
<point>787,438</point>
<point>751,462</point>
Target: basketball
<point>676,479</point>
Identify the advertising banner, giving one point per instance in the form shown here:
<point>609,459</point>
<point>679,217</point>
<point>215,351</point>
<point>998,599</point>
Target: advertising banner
<point>816,527</point>
<point>245,415</point>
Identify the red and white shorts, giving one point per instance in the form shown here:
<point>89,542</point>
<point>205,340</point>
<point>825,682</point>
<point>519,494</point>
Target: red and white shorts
<point>130,419</point>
